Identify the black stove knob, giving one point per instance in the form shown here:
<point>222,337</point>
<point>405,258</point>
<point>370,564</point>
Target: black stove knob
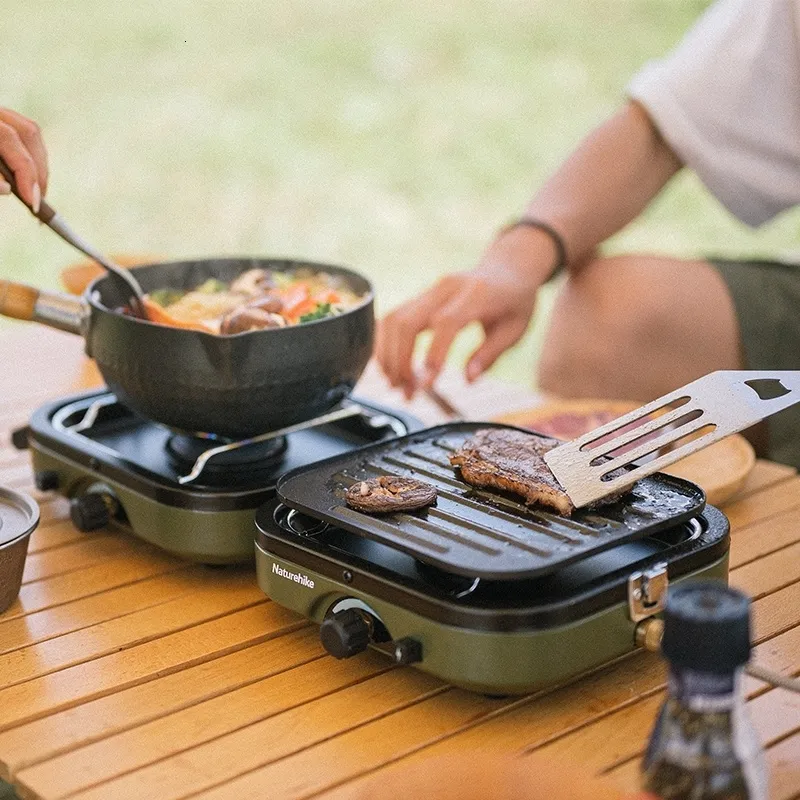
<point>90,511</point>
<point>345,633</point>
<point>407,651</point>
<point>20,437</point>
<point>46,480</point>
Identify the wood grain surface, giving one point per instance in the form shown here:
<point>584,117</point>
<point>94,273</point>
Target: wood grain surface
<point>126,673</point>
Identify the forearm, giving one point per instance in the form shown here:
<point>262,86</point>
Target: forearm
<point>612,176</point>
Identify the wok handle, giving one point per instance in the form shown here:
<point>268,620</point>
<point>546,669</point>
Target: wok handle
<point>45,213</point>
<point>17,300</point>
<point>62,311</point>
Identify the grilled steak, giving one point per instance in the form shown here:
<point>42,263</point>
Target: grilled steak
<point>513,461</point>
<point>389,493</point>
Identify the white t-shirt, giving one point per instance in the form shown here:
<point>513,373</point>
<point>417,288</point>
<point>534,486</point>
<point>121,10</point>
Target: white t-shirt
<point>727,101</point>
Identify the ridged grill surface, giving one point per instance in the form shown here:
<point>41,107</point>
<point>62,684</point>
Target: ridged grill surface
<point>480,532</point>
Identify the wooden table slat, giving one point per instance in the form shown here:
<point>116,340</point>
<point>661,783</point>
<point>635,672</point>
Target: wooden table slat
<point>162,696</point>
<point>764,475</point>
<point>310,678</point>
<point>337,759</point>
<point>89,611</point>
<point>774,571</point>
<point>51,536</point>
<point>622,735</point>
<point>763,538</point>
<point>72,557</point>
<point>783,763</point>
<point>342,702</point>
<point>764,505</point>
<point>130,567</point>
<point>101,676</point>
<point>783,766</point>
<point>134,628</point>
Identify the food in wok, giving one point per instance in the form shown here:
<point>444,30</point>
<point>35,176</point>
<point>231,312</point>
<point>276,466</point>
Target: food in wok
<point>255,300</point>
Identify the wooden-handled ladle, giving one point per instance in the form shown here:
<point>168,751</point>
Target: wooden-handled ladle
<point>54,221</point>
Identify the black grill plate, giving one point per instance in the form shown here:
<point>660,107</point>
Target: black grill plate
<point>477,532</point>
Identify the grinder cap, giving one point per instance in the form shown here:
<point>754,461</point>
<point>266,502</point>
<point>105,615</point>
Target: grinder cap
<point>706,627</point>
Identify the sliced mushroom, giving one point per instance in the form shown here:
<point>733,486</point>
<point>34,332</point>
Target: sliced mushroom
<point>253,282</point>
<point>267,302</point>
<point>248,319</point>
<point>389,493</point>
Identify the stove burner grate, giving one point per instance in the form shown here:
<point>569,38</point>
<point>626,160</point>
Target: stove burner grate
<point>105,436</point>
<point>346,410</point>
<point>197,454</point>
<point>185,449</point>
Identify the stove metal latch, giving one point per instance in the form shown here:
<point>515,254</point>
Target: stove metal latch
<point>647,592</point>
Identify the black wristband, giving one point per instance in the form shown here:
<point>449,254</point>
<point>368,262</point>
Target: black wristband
<point>561,249</point>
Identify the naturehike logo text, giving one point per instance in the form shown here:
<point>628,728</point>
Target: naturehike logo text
<point>293,576</point>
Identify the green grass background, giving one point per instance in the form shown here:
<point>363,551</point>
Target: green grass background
<point>393,137</point>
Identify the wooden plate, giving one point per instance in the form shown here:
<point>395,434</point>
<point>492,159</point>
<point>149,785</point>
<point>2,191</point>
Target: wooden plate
<point>719,469</point>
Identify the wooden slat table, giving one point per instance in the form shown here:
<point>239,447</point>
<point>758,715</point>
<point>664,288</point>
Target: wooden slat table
<point>125,673</point>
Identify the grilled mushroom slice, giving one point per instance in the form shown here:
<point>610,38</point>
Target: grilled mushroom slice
<point>253,282</point>
<point>249,318</point>
<point>390,493</point>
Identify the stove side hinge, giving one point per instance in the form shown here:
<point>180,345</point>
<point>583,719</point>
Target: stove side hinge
<point>647,592</point>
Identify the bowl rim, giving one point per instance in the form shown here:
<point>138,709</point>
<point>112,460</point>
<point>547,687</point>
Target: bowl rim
<point>10,496</point>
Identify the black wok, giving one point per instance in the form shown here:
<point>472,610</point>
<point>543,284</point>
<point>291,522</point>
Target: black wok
<point>234,386</point>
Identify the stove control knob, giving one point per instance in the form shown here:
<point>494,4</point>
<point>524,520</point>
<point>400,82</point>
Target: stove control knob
<point>20,438</point>
<point>407,651</point>
<point>46,480</point>
<point>345,633</point>
<point>91,511</point>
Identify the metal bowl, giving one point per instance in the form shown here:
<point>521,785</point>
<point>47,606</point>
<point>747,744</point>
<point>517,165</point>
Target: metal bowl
<point>19,518</point>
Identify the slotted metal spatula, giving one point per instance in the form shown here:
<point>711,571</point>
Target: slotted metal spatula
<point>609,458</point>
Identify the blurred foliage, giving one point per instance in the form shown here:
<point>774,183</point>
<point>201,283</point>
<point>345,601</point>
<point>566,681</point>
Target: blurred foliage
<point>390,136</point>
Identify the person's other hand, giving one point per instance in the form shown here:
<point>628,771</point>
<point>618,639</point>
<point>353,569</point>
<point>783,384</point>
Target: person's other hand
<point>23,150</point>
<point>500,294</point>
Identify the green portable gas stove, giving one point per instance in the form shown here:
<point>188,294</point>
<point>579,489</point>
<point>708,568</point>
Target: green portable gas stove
<point>192,495</point>
<point>479,590</point>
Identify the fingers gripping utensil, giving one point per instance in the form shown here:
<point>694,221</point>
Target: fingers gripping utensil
<point>607,459</point>
<point>50,217</point>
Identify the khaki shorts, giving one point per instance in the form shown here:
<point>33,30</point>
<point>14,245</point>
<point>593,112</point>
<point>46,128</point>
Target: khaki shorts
<point>767,299</point>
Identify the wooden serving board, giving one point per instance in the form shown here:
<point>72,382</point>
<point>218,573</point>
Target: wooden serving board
<point>720,469</point>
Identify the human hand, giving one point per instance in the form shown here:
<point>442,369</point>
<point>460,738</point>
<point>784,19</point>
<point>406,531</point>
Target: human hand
<point>22,148</point>
<point>500,294</point>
